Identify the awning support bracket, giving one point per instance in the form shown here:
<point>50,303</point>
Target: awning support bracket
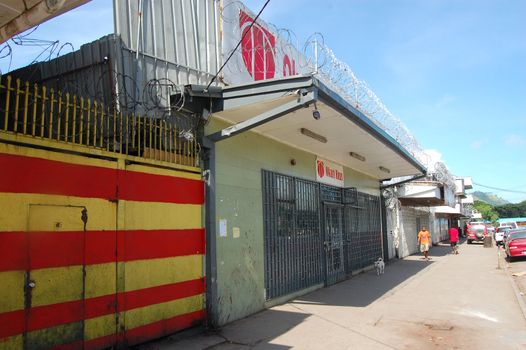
<point>305,98</point>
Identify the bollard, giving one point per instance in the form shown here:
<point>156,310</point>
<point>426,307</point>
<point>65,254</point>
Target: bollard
<point>488,242</point>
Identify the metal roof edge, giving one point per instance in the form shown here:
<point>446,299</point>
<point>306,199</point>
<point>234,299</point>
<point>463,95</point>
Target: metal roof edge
<point>352,113</point>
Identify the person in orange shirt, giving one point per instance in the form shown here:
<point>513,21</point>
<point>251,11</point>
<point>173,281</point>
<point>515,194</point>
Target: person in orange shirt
<point>424,239</point>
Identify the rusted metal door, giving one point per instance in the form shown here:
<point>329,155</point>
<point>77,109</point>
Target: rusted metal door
<point>55,281</point>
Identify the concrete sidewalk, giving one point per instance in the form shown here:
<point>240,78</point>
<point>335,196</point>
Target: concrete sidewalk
<point>451,302</point>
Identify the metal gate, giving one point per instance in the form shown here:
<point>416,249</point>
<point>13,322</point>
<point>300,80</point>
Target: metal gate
<point>292,234</point>
<point>334,265</point>
<point>315,233</point>
<point>363,239</point>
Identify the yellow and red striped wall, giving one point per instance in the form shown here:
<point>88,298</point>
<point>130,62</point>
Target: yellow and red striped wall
<point>96,253</point>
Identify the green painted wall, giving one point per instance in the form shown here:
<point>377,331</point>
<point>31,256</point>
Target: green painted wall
<point>240,261</point>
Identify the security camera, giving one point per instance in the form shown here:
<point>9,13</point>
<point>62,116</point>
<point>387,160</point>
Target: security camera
<point>316,114</point>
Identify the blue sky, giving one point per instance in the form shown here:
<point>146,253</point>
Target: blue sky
<point>453,71</point>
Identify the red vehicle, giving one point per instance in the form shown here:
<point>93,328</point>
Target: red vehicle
<point>476,232</point>
<point>515,245</point>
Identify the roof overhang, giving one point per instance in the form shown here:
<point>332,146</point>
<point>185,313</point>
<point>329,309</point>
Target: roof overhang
<point>282,109</point>
<point>421,193</point>
<point>448,212</point>
<point>17,16</point>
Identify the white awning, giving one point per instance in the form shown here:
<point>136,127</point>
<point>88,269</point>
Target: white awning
<point>282,110</point>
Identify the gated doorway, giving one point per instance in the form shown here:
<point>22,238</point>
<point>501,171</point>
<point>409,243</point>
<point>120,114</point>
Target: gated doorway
<point>315,233</point>
<point>334,266</point>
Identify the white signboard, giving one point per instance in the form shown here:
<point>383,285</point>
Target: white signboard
<point>262,54</point>
<point>329,173</point>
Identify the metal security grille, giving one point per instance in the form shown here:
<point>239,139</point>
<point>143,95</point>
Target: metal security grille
<point>292,234</point>
<point>315,233</point>
<point>335,267</point>
<point>363,240</point>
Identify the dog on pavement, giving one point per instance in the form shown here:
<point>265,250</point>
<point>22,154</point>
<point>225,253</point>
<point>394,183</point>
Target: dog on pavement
<point>379,266</point>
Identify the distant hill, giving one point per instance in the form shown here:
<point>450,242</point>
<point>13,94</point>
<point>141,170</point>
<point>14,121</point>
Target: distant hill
<point>490,198</point>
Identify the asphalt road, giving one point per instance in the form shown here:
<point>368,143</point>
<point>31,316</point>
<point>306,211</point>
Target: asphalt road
<point>460,301</point>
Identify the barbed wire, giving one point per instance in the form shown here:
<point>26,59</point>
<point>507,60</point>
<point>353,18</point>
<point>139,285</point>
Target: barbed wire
<point>315,57</point>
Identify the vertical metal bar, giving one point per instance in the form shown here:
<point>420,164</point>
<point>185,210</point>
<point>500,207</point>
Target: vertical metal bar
<point>134,130</point>
<point>127,131</point>
<point>42,115</point>
<point>108,124</point>
<point>95,110</point>
<point>74,120</point>
<point>140,129</point>
<point>165,141</point>
<point>59,115</point>
<point>150,140</point>
<point>17,104</point>
<point>33,126</point>
<point>81,120</point>
<point>66,131</point>
<point>88,121</point>
<point>170,144</point>
<point>114,129</point>
<point>144,134</point>
<point>26,107</point>
<point>51,111</point>
<point>120,132</point>
<point>7,99</point>
<point>155,137</point>
<point>101,123</point>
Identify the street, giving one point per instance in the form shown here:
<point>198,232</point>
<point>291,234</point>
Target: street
<point>459,301</point>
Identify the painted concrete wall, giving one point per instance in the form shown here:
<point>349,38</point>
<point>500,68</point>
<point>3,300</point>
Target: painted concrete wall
<point>409,230</point>
<point>240,259</point>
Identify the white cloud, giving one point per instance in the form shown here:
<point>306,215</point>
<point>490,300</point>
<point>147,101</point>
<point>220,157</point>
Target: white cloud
<point>445,100</point>
<point>515,140</point>
<point>434,157</point>
<point>477,144</point>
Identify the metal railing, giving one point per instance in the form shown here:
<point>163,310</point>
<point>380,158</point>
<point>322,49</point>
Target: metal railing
<point>51,115</point>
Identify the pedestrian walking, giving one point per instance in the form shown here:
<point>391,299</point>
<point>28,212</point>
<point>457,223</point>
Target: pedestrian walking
<point>424,240</point>
<point>453,239</point>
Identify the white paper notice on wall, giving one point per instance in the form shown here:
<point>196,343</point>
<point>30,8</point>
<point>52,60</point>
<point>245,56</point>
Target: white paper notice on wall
<point>236,232</point>
<point>222,228</point>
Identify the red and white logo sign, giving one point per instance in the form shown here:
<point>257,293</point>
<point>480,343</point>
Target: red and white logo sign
<point>263,54</point>
<point>329,173</point>
<point>258,48</point>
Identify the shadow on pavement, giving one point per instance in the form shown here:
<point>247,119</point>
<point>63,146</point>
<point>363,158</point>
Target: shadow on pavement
<point>363,289</point>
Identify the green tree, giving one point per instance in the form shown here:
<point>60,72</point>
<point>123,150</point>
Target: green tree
<point>512,210</point>
<point>487,210</point>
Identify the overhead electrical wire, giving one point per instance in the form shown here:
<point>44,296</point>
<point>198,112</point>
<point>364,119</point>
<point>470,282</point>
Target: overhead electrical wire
<point>237,46</point>
<point>499,189</point>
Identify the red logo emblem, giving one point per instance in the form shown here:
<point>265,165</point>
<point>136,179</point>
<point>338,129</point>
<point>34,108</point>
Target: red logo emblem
<point>321,168</point>
<point>257,48</point>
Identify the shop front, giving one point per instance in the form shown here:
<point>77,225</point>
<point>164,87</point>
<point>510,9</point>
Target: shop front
<point>293,203</point>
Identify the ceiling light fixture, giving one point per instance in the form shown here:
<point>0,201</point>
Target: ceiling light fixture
<point>357,156</point>
<point>313,135</point>
<point>384,169</point>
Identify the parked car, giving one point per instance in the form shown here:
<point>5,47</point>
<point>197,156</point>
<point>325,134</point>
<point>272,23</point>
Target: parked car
<point>515,245</point>
<point>500,233</point>
<point>504,230</point>
<point>477,232</point>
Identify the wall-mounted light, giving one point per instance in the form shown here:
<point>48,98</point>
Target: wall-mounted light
<point>357,156</point>
<point>315,113</point>
<point>384,169</point>
<point>313,135</point>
